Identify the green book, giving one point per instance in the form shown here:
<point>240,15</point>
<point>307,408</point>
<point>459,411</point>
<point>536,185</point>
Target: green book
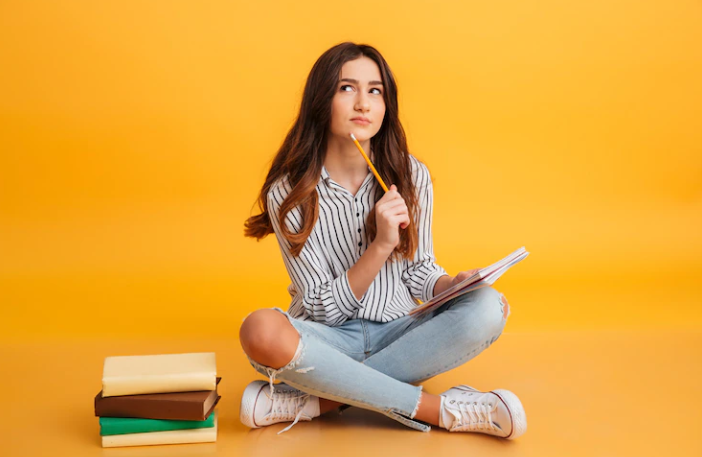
<point>125,425</point>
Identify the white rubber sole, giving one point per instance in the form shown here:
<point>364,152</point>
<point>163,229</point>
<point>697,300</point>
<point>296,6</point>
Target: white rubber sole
<point>248,403</point>
<point>519,422</point>
<point>514,405</point>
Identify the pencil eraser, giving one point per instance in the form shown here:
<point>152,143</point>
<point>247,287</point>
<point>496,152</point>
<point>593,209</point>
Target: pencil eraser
<point>353,137</point>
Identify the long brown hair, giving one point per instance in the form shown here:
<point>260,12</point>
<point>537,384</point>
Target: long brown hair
<point>301,155</point>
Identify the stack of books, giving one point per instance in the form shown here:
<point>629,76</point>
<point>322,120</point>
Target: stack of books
<point>158,399</point>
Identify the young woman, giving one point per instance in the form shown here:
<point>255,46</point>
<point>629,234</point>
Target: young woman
<point>359,259</point>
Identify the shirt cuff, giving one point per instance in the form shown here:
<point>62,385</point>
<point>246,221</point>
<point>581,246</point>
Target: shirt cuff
<point>347,301</point>
<point>429,283</point>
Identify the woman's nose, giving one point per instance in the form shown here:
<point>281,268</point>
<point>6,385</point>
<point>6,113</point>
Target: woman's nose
<point>362,102</point>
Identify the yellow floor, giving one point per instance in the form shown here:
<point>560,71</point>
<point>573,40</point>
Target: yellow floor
<point>608,393</point>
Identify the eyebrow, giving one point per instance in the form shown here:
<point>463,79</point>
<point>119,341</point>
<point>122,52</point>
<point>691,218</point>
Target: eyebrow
<point>355,81</point>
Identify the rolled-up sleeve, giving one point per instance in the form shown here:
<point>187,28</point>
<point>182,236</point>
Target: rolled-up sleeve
<point>327,299</point>
<point>421,273</point>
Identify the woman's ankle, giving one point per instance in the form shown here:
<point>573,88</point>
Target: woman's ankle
<point>429,408</point>
<point>328,405</point>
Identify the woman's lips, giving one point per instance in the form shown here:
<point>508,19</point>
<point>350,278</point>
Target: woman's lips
<point>361,121</point>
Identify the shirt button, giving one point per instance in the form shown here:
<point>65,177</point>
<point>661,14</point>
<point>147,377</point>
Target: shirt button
<point>357,214</point>
<point>360,243</point>
<point>359,230</point>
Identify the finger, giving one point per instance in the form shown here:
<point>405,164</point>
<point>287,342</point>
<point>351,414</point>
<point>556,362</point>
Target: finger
<point>396,221</point>
<point>391,205</point>
<point>396,207</point>
<point>400,212</point>
<point>390,195</point>
<point>394,212</point>
<point>466,274</point>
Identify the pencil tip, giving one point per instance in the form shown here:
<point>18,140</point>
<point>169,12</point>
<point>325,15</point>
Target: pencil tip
<point>353,137</point>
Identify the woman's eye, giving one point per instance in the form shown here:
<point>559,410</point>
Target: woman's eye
<point>343,89</point>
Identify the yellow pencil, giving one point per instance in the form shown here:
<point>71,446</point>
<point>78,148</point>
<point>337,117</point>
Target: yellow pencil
<point>380,180</point>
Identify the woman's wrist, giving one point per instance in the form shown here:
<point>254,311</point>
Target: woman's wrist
<point>381,248</point>
<point>364,271</point>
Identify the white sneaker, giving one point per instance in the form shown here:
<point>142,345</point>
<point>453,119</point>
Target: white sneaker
<point>498,412</point>
<point>260,407</point>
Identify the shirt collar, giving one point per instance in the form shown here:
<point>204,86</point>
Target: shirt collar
<point>325,178</point>
<point>325,175</point>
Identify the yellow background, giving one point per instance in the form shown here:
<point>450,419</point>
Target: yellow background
<point>135,137</point>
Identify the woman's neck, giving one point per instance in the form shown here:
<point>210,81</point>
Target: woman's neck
<point>344,162</point>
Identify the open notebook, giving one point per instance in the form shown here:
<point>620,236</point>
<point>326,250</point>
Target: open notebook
<point>484,277</point>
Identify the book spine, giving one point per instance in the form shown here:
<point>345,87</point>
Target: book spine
<point>113,386</point>
<point>201,435</point>
<point>169,410</point>
<point>124,425</point>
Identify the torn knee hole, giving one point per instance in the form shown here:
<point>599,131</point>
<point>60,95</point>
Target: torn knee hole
<point>504,305</point>
<point>273,372</point>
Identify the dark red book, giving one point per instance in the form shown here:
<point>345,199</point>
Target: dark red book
<point>192,406</point>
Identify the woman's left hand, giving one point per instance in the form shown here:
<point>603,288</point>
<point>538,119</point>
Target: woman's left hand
<point>463,276</point>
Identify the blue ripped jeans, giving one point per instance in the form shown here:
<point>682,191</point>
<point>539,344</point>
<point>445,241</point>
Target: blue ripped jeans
<point>372,365</point>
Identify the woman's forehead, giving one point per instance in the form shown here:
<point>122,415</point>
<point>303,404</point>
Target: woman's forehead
<point>362,70</point>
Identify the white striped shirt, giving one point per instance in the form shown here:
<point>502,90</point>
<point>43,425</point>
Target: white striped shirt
<point>320,287</point>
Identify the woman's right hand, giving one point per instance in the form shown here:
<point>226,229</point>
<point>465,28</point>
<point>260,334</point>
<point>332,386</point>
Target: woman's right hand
<point>390,213</point>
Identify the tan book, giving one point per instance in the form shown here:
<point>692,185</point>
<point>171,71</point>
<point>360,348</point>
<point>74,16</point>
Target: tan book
<point>153,374</point>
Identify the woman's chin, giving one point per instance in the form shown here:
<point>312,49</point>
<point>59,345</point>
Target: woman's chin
<point>361,135</point>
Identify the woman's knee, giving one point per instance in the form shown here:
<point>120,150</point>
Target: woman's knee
<point>495,309</point>
<point>268,337</point>
<point>487,309</point>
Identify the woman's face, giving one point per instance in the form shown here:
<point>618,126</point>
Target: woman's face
<point>358,105</point>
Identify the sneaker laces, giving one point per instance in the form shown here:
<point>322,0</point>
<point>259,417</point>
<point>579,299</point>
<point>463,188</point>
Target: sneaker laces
<point>287,405</point>
<point>471,416</point>
<point>271,372</point>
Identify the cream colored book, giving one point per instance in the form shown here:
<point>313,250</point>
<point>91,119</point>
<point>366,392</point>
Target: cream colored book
<point>197,435</point>
<point>155,374</point>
